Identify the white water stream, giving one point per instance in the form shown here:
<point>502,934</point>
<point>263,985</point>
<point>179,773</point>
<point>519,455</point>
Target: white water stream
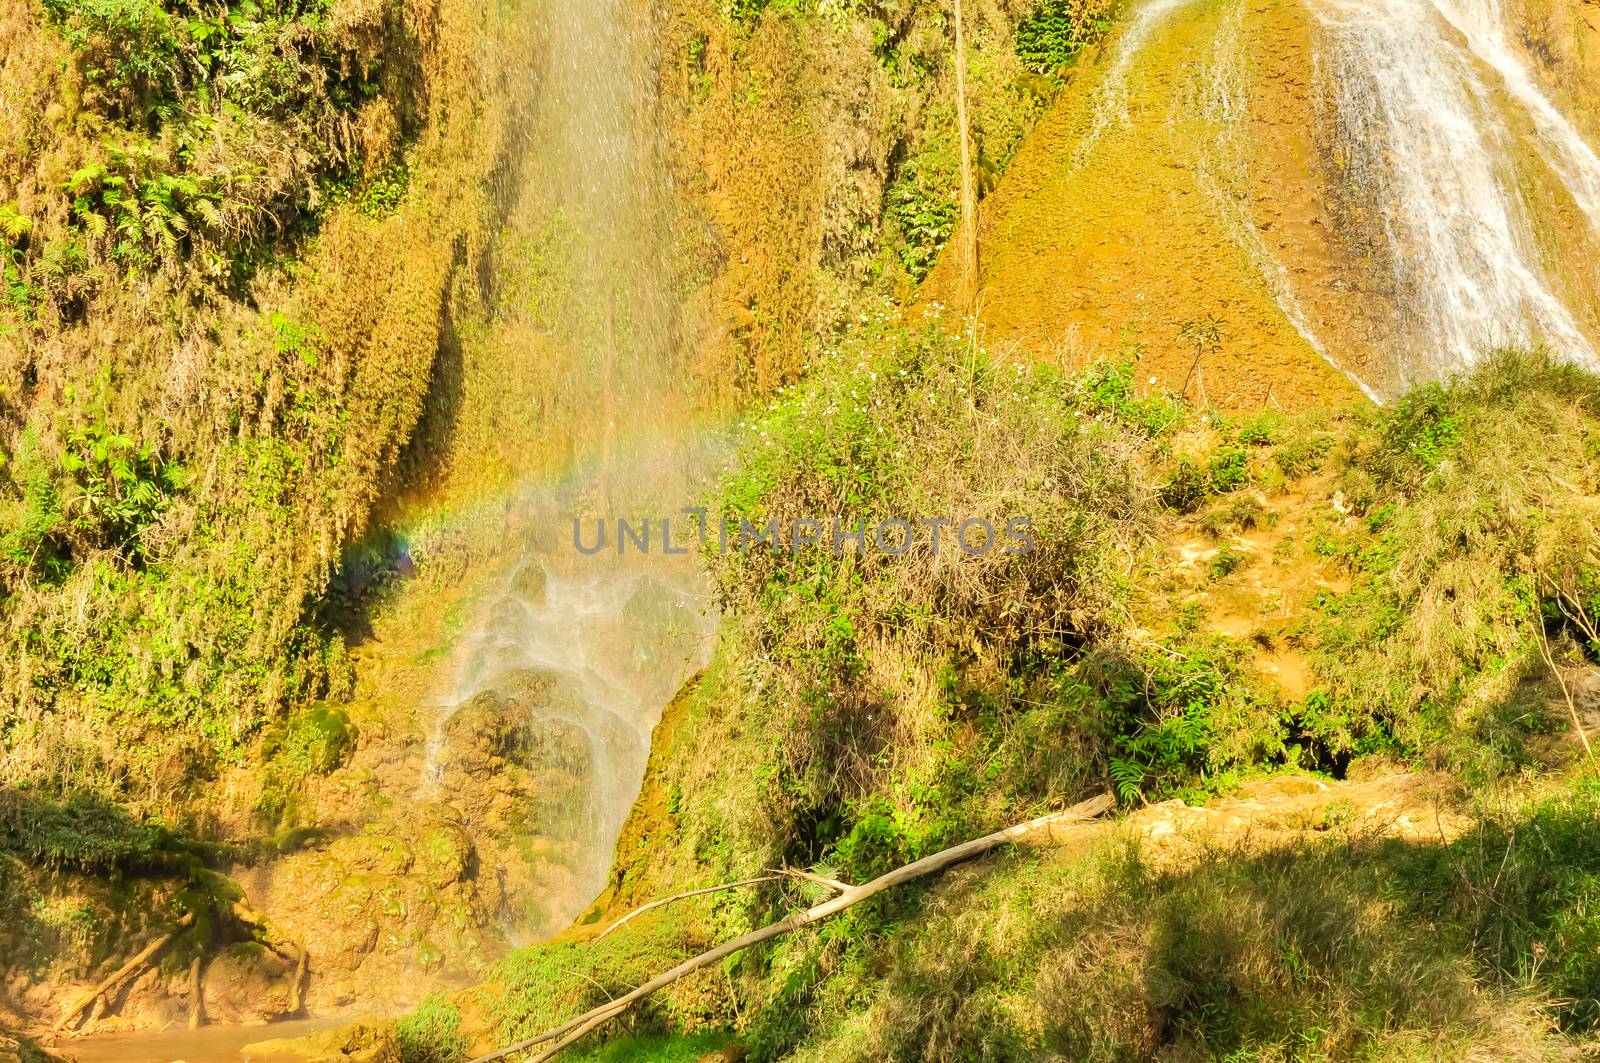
<point>1444,133</point>
<point>590,649</point>
<point>1427,92</point>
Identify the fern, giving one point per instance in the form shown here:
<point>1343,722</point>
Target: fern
<point>14,223</point>
<point>1127,778</point>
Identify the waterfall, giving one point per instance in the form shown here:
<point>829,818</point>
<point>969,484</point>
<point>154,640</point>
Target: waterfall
<point>587,650</point>
<point>1431,103</point>
<point>1111,105</point>
<point>1222,97</point>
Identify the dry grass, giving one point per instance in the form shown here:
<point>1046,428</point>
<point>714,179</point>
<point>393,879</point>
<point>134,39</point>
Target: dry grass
<point>1471,501</point>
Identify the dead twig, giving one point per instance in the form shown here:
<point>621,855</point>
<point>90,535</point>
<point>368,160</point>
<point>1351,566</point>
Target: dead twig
<point>685,896</point>
<point>1566,692</point>
<point>811,876</point>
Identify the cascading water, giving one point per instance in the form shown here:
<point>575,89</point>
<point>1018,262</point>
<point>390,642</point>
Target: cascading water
<point>1222,98</point>
<point>1430,102</point>
<point>1463,207</point>
<point>1111,100</point>
<point>584,659</point>
<point>586,650</point>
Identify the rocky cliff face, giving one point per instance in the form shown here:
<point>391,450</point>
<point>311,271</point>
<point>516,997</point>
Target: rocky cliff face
<point>1561,40</point>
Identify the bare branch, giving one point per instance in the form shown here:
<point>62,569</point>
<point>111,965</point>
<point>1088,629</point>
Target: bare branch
<point>811,876</point>
<point>121,973</point>
<point>1572,707</point>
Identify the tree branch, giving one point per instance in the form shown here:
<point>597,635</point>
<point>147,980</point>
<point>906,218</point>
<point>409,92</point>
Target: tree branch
<point>685,896</point>
<point>576,1028</point>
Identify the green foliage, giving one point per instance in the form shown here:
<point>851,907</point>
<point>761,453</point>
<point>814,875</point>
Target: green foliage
<point>1054,33</point>
<point>1228,470</point>
<point>1302,455</point>
<point>432,1033</point>
<point>1262,430</point>
<point>659,1049</point>
<point>117,487</point>
<point>1343,948</point>
<point>922,203</point>
<point>313,742</point>
<point>377,195</point>
<point>1466,517</point>
<point>29,545</point>
<point>142,209</point>
<point>1187,488</point>
<point>1184,712</point>
<point>221,123</point>
<point>1032,705</point>
<point>131,47</point>
<point>84,833</point>
<point>1109,386</point>
<point>1226,561</point>
<point>1421,431</point>
<point>1526,886</point>
<point>547,984</point>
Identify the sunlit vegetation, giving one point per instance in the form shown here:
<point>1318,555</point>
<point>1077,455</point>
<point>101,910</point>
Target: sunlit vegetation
<point>888,706</point>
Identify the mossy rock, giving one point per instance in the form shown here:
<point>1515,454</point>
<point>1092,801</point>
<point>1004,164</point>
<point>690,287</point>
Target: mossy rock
<point>443,854</point>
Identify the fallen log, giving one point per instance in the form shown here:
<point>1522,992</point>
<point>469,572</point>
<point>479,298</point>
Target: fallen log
<point>121,973</point>
<point>576,1028</point>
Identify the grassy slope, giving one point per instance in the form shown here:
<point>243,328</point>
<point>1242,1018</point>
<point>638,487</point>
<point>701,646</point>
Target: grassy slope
<point>248,298</point>
<point>862,714</point>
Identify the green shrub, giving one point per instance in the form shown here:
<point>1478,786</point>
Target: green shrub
<point>1473,517</point>
<point>1187,488</point>
<point>432,1033</point>
<point>1227,561</point>
<point>547,984</point>
<point>118,487</point>
<point>922,203</point>
<point>1228,470</point>
<point>84,833</point>
<point>1302,455</point>
<point>1262,430</point>
<point>131,47</point>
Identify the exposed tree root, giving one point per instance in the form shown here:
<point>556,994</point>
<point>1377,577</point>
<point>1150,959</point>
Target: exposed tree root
<point>121,973</point>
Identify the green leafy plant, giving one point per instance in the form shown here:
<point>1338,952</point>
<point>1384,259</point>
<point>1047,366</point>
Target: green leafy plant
<point>130,47</point>
<point>922,203</point>
<point>431,1034</point>
<point>1226,561</point>
<point>1205,336</point>
<point>119,486</point>
<point>1055,32</point>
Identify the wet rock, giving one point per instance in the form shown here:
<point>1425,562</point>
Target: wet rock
<point>487,729</point>
<point>250,984</point>
<point>528,582</point>
<point>659,632</point>
<point>443,854</point>
<point>360,1042</point>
